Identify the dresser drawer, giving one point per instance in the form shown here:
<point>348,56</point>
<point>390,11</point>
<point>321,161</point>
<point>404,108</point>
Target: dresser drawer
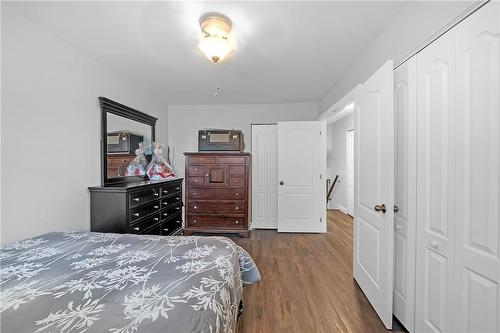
<point>237,169</point>
<point>171,211</point>
<point>196,170</point>
<point>174,223</point>
<point>140,197</point>
<point>144,224</point>
<point>222,222</point>
<point>217,207</point>
<point>170,189</point>
<point>201,159</point>
<point>237,182</point>
<point>231,160</point>
<point>196,181</point>
<point>217,194</point>
<point>175,199</point>
<point>141,211</point>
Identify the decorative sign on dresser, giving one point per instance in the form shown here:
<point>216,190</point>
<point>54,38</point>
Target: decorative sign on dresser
<point>144,207</point>
<point>217,186</point>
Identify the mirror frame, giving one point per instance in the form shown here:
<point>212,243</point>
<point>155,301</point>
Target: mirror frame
<point>110,106</point>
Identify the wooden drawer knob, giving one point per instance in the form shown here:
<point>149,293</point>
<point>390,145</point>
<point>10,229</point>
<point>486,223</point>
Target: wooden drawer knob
<point>136,214</point>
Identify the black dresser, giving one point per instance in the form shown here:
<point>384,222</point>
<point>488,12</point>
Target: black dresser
<point>143,207</point>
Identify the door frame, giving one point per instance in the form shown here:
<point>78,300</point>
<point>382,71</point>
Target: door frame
<point>349,189</point>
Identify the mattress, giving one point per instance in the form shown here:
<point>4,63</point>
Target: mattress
<point>103,282</point>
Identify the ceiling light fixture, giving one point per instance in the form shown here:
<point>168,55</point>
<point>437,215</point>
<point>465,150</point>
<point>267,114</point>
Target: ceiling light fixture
<point>215,43</point>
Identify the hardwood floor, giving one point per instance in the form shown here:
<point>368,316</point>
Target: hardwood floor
<point>307,283</point>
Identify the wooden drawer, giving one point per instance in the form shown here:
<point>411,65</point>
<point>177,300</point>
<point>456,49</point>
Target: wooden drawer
<point>171,211</point>
<point>237,169</point>
<point>196,181</point>
<point>170,189</point>
<point>237,182</point>
<point>196,170</point>
<point>222,222</point>
<point>230,160</point>
<point>201,160</point>
<point>166,202</point>
<point>144,224</point>
<point>138,198</point>
<point>119,160</point>
<point>217,194</point>
<point>217,207</point>
<point>141,211</point>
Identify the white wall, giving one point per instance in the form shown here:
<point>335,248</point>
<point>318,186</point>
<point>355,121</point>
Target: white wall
<point>337,160</point>
<point>51,128</point>
<point>416,22</point>
<point>185,121</point>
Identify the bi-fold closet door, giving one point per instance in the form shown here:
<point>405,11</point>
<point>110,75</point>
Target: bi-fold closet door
<point>458,174</point>
<point>265,176</point>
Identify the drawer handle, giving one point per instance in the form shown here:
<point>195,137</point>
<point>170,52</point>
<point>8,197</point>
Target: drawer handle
<point>136,199</point>
<point>165,203</point>
<point>177,188</point>
<point>156,219</point>
<point>155,207</point>
<point>237,194</point>
<point>177,198</point>
<point>195,207</point>
<point>166,229</point>
<point>177,208</point>
<point>136,228</point>
<point>237,208</point>
<point>206,175</point>
<point>236,169</point>
<point>195,193</point>
<point>165,214</point>
<point>196,180</point>
<point>155,194</point>
<point>235,181</point>
<point>136,214</point>
<point>195,169</point>
<point>236,221</point>
<point>177,221</point>
<point>195,221</point>
<point>165,191</point>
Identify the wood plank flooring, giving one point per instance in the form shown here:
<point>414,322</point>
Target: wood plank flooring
<point>307,283</point>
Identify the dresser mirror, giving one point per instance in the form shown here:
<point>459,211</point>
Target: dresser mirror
<point>123,129</point>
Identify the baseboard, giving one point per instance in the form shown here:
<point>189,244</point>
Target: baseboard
<point>342,209</point>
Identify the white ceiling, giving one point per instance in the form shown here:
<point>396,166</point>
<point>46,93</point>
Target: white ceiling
<point>287,51</point>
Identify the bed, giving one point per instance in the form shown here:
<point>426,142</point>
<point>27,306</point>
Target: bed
<point>104,282</point>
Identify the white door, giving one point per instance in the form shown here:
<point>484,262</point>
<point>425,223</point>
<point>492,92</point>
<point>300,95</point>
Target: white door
<point>405,192</point>
<point>349,139</point>
<point>477,108</point>
<point>435,188</point>
<point>264,177</point>
<point>374,191</point>
<point>301,166</point>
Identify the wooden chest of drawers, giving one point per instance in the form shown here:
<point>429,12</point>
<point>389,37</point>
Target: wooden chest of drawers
<point>217,191</point>
<point>146,207</point>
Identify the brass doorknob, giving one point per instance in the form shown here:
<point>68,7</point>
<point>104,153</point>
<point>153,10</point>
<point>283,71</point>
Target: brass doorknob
<point>381,208</point>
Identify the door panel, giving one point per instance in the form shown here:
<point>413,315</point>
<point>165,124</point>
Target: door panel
<point>478,165</point>
<point>374,185</point>
<point>300,167</point>
<point>350,171</point>
<point>405,192</point>
<point>264,177</point>
<point>435,191</point>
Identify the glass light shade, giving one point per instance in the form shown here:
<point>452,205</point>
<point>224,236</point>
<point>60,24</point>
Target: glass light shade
<point>215,48</point>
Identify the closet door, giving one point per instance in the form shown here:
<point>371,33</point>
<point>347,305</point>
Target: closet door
<point>405,193</point>
<point>478,172</point>
<point>436,186</point>
<point>264,177</point>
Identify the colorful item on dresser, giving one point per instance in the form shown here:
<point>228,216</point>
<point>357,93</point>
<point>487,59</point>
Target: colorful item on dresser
<point>159,168</point>
<point>139,164</point>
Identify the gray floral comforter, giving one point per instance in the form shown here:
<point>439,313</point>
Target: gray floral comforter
<point>95,282</point>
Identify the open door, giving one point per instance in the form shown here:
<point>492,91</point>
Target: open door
<point>374,191</point>
<point>301,166</point>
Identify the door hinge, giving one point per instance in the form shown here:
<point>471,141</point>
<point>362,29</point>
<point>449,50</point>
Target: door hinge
<point>320,176</point>
<point>321,219</point>
<point>320,132</point>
